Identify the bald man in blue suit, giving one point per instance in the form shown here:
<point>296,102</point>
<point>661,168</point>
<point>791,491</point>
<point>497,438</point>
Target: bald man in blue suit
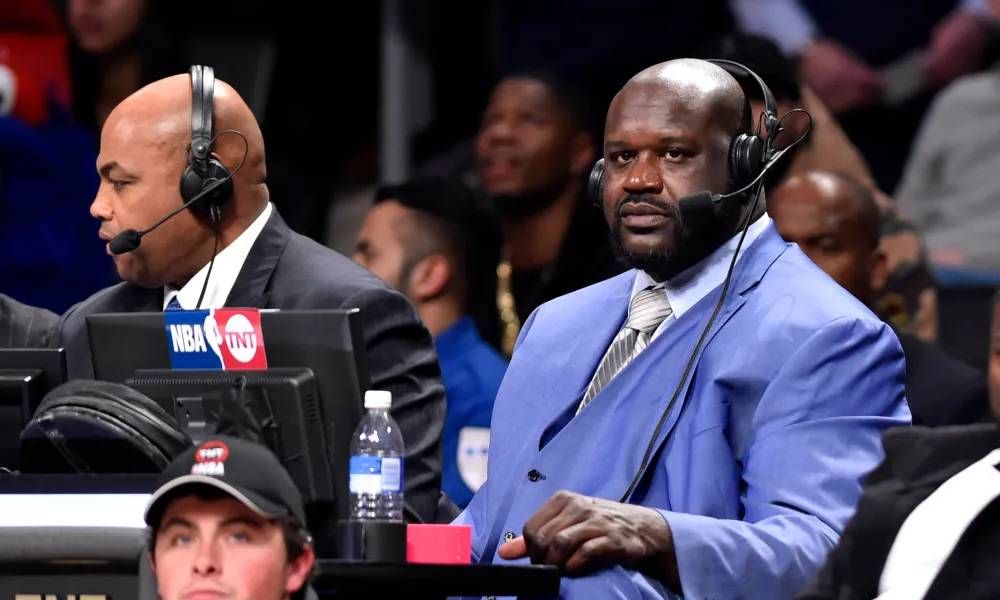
<point>760,460</point>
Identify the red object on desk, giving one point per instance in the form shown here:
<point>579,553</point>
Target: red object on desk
<point>439,544</point>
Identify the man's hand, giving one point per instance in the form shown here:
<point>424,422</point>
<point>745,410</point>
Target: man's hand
<point>581,534</point>
<point>956,47</point>
<point>841,80</point>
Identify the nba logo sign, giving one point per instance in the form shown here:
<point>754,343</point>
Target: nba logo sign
<point>225,338</point>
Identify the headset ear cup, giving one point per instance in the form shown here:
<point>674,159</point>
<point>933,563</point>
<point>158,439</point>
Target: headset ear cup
<point>746,157</point>
<point>595,183</point>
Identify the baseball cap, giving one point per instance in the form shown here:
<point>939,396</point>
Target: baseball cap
<point>245,470</point>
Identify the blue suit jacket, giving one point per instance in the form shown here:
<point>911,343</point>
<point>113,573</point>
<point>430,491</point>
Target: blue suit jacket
<point>760,462</point>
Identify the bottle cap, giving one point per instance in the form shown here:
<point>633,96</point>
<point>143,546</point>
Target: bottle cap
<point>380,399</point>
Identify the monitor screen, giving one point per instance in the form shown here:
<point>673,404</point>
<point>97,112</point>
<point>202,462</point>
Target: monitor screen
<point>326,343</point>
<point>26,375</point>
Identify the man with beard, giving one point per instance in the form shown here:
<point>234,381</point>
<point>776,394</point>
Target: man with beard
<point>533,151</point>
<point>767,429</point>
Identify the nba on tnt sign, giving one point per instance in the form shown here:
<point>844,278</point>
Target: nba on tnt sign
<point>242,341</point>
<point>226,338</point>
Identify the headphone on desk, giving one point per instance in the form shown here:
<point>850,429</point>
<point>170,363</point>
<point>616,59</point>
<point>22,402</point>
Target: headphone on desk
<point>204,170</point>
<point>750,153</point>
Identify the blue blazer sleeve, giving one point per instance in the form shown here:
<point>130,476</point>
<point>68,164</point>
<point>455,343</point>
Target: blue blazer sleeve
<point>813,437</point>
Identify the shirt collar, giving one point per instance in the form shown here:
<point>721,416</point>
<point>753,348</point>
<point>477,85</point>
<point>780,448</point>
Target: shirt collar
<point>228,264</point>
<point>694,283</point>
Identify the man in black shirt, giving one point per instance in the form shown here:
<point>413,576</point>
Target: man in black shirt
<point>533,152</point>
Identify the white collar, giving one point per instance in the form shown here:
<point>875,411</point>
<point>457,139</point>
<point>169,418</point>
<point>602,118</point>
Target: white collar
<point>694,283</point>
<point>228,263</point>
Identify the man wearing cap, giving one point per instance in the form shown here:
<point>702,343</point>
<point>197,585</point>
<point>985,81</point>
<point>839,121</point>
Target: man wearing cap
<point>226,520</point>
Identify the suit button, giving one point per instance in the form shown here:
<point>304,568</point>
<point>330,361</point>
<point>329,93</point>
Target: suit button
<point>508,536</point>
<point>534,475</point>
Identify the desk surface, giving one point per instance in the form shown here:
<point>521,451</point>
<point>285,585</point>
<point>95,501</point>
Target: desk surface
<point>339,578</point>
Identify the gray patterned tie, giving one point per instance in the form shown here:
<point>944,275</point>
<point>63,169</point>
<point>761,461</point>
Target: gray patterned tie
<point>647,310</point>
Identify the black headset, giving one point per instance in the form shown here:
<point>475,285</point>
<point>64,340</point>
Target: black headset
<point>203,170</point>
<point>749,152</point>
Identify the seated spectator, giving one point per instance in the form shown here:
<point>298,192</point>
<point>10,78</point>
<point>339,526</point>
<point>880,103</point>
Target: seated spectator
<point>928,524</point>
<point>835,221</point>
<point>429,240</point>
<point>23,326</point>
<point>226,520</point>
<point>950,185</point>
<point>533,153</point>
<point>908,300</point>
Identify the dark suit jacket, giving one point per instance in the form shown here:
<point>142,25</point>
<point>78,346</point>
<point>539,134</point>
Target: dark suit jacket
<point>918,460</point>
<point>940,389</point>
<point>288,271</point>
<point>23,326</point>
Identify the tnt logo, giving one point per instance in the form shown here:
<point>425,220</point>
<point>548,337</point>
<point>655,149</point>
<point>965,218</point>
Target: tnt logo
<point>212,451</point>
<point>210,459</point>
<point>243,340</point>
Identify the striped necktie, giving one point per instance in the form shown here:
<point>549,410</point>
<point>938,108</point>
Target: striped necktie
<point>646,311</point>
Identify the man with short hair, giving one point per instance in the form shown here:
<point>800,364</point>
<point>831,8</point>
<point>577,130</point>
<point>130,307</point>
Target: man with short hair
<point>433,241</point>
<point>533,151</point>
<point>226,520</point>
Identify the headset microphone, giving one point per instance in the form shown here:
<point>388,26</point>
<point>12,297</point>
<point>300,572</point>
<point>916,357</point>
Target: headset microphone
<point>130,239</point>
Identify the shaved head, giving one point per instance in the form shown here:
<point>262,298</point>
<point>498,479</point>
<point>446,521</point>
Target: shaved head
<point>144,149</point>
<point>835,221</point>
<point>667,135</point>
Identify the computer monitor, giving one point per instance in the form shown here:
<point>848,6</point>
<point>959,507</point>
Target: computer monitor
<point>327,343</point>
<point>282,402</point>
<point>26,375</point>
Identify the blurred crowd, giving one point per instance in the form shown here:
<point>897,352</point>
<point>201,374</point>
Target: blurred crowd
<point>494,220</point>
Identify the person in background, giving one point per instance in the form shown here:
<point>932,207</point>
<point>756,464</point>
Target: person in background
<point>835,221</point>
<point>117,47</point>
<point>46,167</point>
<point>908,300</point>
<point>950,185</point>
<point>227,521</point>
<point>533,152</point>
<point>928,523</point>
<point>433,241</point>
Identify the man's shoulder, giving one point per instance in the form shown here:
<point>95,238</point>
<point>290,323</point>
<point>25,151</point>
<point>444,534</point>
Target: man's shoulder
<point>569,303</point>
<point>322,270</point>
<point>121,297</point>
<point>24,325</point>
<point>798,289</point>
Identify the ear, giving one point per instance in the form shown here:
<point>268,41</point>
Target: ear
<point>582,154</point>
<point>429,278</point>
<point>297,572</point>
<point>879,270</point>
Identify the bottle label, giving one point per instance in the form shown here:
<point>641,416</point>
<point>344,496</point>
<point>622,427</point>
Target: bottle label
<point>366,475</point>
<point>392,474</point>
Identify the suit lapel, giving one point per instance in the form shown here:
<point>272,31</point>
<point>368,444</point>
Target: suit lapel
<point>251,288</point>
<point>748,273</point>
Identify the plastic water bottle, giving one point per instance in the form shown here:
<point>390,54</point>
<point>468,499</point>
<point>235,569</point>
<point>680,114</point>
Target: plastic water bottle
<point>376,482</point>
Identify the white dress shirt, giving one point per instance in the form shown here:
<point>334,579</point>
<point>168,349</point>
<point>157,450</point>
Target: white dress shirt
<point>228,264</point>
<point>694,283</point>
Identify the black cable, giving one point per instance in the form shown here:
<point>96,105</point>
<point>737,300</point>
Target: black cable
<point>211,263</point>
<point>647,455</point>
